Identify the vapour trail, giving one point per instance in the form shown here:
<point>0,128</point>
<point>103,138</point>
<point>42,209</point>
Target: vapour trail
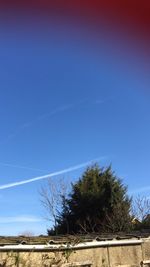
<point>20,167</point>
<point>140,190</point>
<point>73,168</point>
<point>44,116</point>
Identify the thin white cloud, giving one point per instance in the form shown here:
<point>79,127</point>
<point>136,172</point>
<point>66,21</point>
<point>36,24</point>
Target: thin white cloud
<point>20,219</point>
<point>44,116</point>
<point>99,101</point>
<point>26,125</point>
<point>73,168</point>
<point>55,111</point>
<point>20,167</point>
<point>140,190</point>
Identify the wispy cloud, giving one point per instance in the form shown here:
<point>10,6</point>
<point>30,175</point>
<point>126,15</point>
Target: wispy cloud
<point>99,101</point>
<point>20,167</point>
<point>20,219</point>
<point>140,190</point>
<point>73,168</point>
<point>44,116</point>
<point>55,111</point>
<point>58,110</point>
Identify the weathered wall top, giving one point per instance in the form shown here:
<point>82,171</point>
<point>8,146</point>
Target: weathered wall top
<point>75,251</point>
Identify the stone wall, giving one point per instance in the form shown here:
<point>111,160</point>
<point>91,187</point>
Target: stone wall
<point>128,255</point>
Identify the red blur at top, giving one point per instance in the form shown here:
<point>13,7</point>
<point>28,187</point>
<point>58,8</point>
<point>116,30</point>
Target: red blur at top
<point>132,14</point>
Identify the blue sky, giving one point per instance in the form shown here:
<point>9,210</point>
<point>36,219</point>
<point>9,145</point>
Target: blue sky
<point>67,96</point>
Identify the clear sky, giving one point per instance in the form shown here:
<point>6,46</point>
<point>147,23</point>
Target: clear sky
<point>67,96</point>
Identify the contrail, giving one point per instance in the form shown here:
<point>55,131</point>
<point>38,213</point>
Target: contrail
<point>20,167</point>
<point>73,168</point>
<point>26,125</point>
<point>44,116</point>
<point>140,190</point>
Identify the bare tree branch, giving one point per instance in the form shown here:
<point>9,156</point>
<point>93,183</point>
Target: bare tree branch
<point>51,198</point>
<point>141,207</point>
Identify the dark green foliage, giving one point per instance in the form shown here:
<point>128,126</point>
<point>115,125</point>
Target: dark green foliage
<point>98,202</point>
<point>146,222</point>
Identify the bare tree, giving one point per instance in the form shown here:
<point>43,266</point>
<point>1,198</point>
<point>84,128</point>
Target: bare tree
<point>118,221</point>
<point>51,199</point>
<point>141,207</point>
<point>26,233</point>
<point>87,225</point>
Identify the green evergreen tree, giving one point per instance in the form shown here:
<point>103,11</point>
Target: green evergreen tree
<point>98,202</point>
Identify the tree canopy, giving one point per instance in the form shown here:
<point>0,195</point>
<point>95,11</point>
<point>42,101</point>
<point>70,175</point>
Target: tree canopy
<point>98,202</point>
